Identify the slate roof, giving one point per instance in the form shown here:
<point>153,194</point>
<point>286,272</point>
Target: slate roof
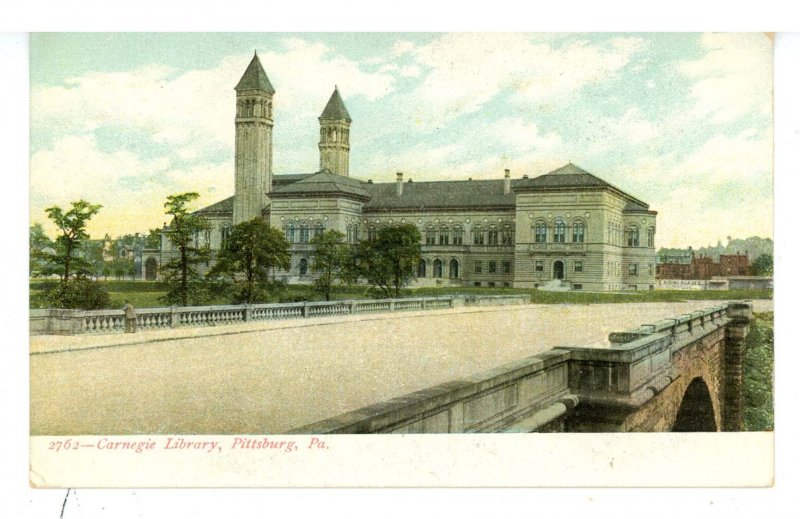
<point>441,194</point>
<point>255,78</point>
<point>571,176</point>
<point>335,108</point>
<point>323,183</point>
<point>431,195</point>
<point>226,206</point>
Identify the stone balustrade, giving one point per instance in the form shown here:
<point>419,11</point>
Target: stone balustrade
<point>75,322</point>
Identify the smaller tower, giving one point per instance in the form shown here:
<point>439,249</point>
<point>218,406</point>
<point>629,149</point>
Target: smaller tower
<point>334,136</point>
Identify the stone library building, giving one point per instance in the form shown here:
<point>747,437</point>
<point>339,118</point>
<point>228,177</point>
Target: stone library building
<point>563,230</point>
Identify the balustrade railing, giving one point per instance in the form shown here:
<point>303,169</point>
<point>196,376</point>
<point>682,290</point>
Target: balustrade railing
<point>73,322</point>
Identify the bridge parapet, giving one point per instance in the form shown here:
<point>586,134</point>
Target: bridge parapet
<point>574,388</point>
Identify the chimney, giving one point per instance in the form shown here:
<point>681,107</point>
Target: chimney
<point>399,183</point>
<point>507,182</point>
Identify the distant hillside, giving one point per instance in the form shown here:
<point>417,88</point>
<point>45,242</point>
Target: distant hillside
<point>753,246</point>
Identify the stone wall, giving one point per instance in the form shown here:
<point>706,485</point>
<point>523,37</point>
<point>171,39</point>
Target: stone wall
<point>638,384</point>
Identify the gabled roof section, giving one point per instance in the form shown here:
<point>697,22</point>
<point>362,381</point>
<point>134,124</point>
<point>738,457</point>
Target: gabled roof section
<point>255,78</point>
<point>220,208</point>
<point>421,196</point>
<point>571,176</point>
<point>323,184</point>
<point>335,108</point>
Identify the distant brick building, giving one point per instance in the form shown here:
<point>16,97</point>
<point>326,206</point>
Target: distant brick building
<point>686,265</point>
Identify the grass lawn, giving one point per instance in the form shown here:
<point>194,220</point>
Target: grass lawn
<point>147,294</point>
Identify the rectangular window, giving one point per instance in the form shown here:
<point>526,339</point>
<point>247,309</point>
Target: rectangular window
<point>506,285</point>
<point>632,269</point>
<point>506,267</point>
<point>577,286</point>
<point>492,267</point>
<point>478,267</point>
<point>477,283</point>
<point>578,266</point>
<point>491,284</point>
<point>539,265</point>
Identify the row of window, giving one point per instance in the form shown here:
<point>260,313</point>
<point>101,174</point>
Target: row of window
<point>577,266</point>
<point>491,267</point>
<point>438,268</point>
<point>302,234</point>
<point>631,233</point>
<point>560,231</point>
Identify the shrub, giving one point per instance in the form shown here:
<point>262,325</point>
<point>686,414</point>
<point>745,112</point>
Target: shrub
<point>80,293</point>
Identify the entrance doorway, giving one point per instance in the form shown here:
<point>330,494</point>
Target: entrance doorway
<point>151,269</point>
<point>558,270</point>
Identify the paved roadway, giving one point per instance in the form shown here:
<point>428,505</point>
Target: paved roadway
<point>274,376</point>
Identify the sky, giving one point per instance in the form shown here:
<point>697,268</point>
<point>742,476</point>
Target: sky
<point>682,121</point>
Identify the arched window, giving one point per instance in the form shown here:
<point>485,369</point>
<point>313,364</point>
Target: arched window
<point>454,268</point>
<point>507,234</point>
<point>444,235</point>
<point>458,235</point>
<point>289,231</point>
<point>303,233</point>
<point>421,268</point>
<point>303,266</point>
<point>578,231</point>
<point>372,233</point>
<point>318,229</point>
<point>540,231</point>
<point>437,268</point>
<point>430,235</point>
<point>633,236</point>
<point>651,236</point>
<point>559,231</point>
<point>477,235</point>
<point>492,238</point>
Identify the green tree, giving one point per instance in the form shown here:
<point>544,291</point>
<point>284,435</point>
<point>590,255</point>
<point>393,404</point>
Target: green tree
<point>181,276</point>
<point>67,260</point>
<point>388,261</point>
<point>331,261</point>
<point>252,249</point>
<point>762,266</point>
<point>153,239</point>
<point>40,246</point>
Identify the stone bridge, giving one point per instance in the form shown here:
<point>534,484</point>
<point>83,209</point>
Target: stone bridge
<point>681,374</point>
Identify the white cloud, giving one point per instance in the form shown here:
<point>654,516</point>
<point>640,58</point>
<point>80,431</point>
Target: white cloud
<point>131,190</point>
<point>733,78</point>
<point>606,133</point>
<point>196,107</point>
<point>462,72</point>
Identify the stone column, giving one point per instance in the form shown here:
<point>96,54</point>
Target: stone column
<point>735,334</point>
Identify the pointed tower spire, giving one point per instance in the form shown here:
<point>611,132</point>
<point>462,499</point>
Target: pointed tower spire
<point>254,78</point>
<point>335,108</point>
<point>334,136</point>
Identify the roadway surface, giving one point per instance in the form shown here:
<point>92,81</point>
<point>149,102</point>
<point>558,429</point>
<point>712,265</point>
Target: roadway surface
<point>270,377</point>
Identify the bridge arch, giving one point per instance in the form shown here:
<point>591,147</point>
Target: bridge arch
<point>696,411</point>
